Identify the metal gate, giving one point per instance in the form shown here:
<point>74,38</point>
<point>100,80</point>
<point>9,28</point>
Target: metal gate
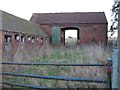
<point>107,81</point>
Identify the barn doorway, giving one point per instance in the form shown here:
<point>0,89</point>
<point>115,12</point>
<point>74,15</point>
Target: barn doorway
<point>70,35</point>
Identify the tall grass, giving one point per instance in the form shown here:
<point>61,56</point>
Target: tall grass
<point>67,54</point>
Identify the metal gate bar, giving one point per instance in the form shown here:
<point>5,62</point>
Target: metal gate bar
<point>51,64</point>
<point>56,77</point>
<point>25,85</point>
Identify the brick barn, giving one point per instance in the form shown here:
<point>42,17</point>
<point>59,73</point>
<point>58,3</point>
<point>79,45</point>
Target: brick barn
<point>18,34</point>
<point>90,26</point>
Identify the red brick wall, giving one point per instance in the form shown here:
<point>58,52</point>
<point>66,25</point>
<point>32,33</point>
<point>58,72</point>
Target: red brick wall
<point>1,44</point>
<point>26,44</point>
<point>47,28</point>
<point>16,49</point>
<point>15,43</point>
<point>94,32</point>
<point>88,32</point>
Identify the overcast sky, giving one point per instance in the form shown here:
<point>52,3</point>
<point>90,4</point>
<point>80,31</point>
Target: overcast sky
<point>25,8</point>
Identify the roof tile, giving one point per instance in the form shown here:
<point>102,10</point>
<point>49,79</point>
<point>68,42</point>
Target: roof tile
<point>77,17</point>
<point>16,24</point>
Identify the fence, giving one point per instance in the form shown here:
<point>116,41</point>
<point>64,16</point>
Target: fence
<point>115,69</point>
<point>108,80</point>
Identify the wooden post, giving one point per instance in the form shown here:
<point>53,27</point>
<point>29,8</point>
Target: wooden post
<point>109,72</point>
<point>1,44</point>
<point>119,48</point>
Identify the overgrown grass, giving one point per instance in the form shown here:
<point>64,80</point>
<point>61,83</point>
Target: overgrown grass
<point>67,54</point>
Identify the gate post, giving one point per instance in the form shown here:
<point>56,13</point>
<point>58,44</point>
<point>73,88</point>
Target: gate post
<point>109,72</point>
<point>118,47</point>
<point>115,69</point>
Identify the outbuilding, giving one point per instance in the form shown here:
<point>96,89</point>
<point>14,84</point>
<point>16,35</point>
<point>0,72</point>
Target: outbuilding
<point>16,34</point>
<point>90,26</point>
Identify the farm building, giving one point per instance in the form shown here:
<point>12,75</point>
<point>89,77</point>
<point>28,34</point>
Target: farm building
<point>17,35</point>
<point>90,26</point>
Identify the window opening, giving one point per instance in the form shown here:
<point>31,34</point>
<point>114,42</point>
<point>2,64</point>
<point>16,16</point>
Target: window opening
<point>37,38</point>
<point>17,37</point>
<point>33,39</point>
<point>23,38</point>
<point>41,40</point>
<point>7,38</point>
<point>28,38</point>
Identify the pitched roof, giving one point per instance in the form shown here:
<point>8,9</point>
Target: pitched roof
<point>16,24</point>
<point>76,18</point>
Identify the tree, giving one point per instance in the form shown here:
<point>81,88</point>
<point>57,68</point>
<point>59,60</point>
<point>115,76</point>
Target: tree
<point>115,9</point>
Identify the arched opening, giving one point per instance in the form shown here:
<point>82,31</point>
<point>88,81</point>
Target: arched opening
<point>70,35</point>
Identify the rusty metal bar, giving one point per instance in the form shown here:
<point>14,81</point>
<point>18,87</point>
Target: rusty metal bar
<point>109,73</point>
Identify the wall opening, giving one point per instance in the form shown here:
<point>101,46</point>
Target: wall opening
<point>41,40</point>
<point>33,39</point>
<point>17,37</point>
<point>37,38</point>
<point>22,38</point>
<point>8,38</point>
<point>70,35</point>
<point>28,38</point>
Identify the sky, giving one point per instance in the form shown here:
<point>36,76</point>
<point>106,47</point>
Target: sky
<point>25,8</point>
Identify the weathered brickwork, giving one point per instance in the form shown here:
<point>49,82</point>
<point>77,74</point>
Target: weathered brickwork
<point>20,49</point>
<point>20,39</point>
<point>92,33</point>
<point>1,44</point>
<point>90,26</point>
